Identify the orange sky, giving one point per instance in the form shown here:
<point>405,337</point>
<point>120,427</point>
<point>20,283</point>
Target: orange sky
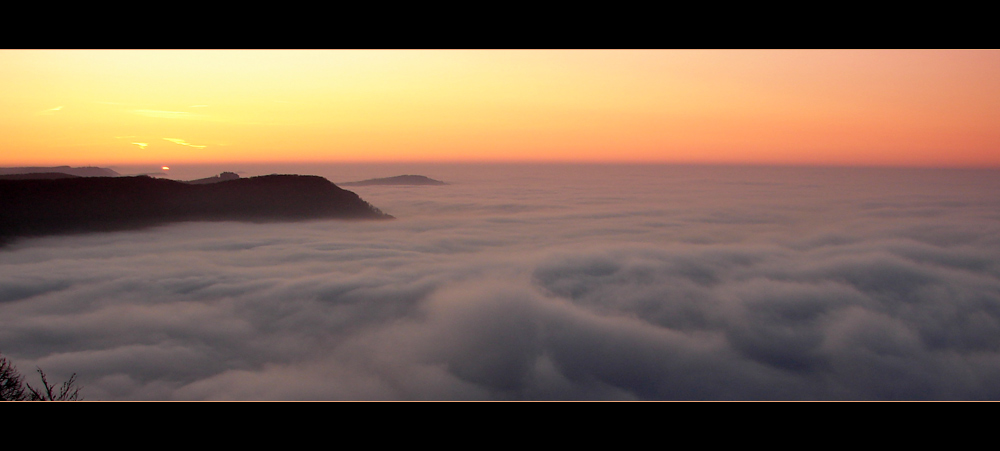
<point>842,107</point>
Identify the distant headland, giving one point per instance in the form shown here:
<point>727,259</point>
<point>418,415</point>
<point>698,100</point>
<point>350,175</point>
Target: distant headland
<point>49,205</point>
<point>216,179</point>
<point>397,180</point>
<point>79,172</point>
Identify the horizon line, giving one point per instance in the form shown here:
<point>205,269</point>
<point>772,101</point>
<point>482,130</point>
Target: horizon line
<point>510,162</point>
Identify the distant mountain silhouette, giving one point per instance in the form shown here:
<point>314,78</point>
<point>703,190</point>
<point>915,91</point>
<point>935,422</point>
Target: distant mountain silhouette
<point>397,180</point>
<point>79,172</point>
<point>38,176</point>
<point>215,179</point>
<point>84,204</point>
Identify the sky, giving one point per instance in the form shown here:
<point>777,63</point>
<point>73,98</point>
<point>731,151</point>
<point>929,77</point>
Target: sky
<point>924,108</point>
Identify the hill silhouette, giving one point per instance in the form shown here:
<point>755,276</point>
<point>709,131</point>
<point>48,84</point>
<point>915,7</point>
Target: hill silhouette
<point>84,204</point>
<point>215,179</point>
<point>89,171</point>
<point>38,176</point>
<point>397,180</point>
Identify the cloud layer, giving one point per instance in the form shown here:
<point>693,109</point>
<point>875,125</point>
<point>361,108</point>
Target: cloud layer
<point>540,282</point>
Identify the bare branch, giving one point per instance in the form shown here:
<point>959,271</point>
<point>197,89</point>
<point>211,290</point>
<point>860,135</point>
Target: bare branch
<point>68,391</point>
<point>11,382</point>
<point>13,388</point>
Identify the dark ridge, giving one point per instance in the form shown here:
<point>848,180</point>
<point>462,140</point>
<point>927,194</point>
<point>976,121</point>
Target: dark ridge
<point>79,172</point>
<point>37,176</point>
<point>397,180</point>
<point>89,204</point>
<point>215,179</point>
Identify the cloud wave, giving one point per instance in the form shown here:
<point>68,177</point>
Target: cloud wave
<point>656,283</point>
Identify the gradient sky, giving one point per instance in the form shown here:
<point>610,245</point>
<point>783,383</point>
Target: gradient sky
<point>827,107</point>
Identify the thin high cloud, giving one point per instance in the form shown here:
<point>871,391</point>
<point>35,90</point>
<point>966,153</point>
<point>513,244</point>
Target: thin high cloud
<point>51,111</point>
<point>534,289</point>
<point>182,142</point>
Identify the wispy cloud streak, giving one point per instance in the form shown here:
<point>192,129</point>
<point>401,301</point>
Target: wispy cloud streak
<point>51,111</point>
<point>184,143</point>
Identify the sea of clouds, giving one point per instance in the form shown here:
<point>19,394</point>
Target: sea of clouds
<point>544,282</point>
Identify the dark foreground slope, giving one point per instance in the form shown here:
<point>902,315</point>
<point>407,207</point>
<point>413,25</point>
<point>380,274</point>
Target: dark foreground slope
<point>397,180</point>
<point>41,207</point>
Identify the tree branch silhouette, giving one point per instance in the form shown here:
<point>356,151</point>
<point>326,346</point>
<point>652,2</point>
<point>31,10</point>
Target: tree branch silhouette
<point>13,388</point>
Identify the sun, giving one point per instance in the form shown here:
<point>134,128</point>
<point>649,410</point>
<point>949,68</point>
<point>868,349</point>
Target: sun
<point>166,168</point>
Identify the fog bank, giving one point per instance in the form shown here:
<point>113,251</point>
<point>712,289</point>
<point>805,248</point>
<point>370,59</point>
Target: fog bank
<point>539,282</point>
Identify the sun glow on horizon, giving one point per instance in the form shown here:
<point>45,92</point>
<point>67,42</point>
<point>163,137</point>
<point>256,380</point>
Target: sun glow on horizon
<point>822,107</point>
